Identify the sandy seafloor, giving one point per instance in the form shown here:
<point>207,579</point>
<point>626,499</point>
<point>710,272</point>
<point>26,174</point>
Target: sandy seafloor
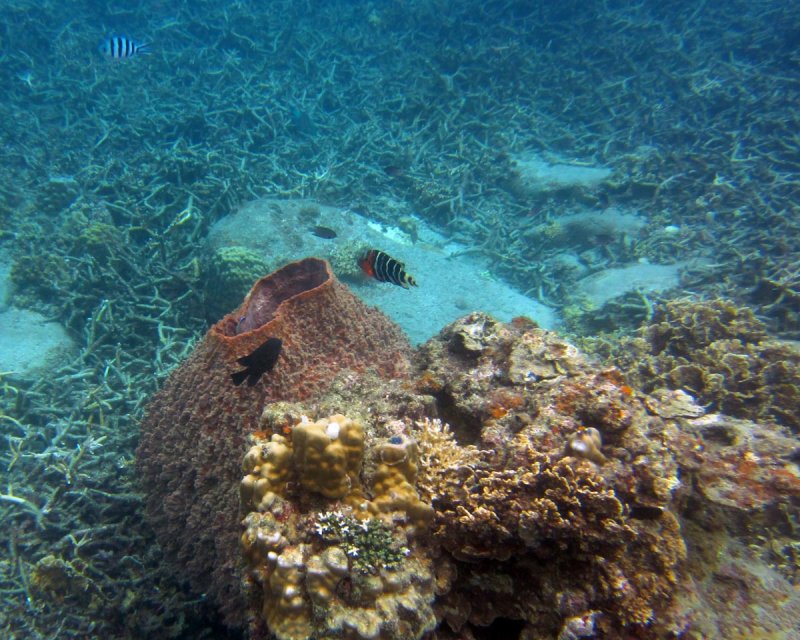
<point>589,161</point>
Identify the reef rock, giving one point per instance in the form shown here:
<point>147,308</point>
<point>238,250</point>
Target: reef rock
<point>535,175</point>
<point>31,343</point>
<point>605,285</point>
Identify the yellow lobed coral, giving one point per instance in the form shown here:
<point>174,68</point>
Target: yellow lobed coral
<point>316,585</point>
<point>267,467</point>
<point>393,482</point>
<point>328,454</point>
<point>286,609</point>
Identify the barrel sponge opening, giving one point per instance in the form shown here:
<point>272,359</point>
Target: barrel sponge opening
<point>269,293</point>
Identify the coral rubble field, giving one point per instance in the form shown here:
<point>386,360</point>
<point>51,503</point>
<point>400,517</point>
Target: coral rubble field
<point>622,465</point>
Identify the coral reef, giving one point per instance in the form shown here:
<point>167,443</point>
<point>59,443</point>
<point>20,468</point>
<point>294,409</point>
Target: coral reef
<point>536,526</point>
<point>318,562</point>
<point>721,355</point>
<point>663,93</point>
<point>506,485</point>
<point>325,331</point>
<point>741,522</point>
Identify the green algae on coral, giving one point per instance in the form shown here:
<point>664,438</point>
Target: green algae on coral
<point>370,544</point>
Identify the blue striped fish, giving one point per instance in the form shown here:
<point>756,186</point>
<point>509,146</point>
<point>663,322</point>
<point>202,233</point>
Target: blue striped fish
<point>122,48</point>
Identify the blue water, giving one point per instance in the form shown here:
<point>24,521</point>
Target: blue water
<point>114,170</point>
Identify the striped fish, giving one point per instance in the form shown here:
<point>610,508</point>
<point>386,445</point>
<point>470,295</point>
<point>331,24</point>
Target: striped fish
<point>122,48</point>
<point>384,268</point>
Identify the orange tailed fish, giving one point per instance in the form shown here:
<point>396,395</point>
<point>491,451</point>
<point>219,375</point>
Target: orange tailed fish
<point>384,268</point>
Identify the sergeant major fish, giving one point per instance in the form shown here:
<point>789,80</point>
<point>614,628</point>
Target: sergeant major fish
<point>384,268</point>
<point>261,360</point>
<point>122,48</point>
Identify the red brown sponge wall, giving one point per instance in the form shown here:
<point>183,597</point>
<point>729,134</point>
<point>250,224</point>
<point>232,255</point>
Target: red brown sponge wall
<point>193,434</point>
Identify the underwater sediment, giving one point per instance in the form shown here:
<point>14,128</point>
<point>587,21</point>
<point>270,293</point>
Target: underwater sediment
<point>494,480</point>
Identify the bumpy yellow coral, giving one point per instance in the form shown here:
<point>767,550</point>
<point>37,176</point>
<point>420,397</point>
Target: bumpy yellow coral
<point>286,609</point>
<point>351,586</point>
<point>323,573</point>
<point>394,605</point>
<point>328,454</point>
<point>267,467</point>
<point>393,482</point>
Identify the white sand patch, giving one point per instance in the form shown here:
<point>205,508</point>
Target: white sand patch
<point>605,285</point>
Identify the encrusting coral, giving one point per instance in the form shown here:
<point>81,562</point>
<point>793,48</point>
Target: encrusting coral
<point>503,482</point>
<point>720,354</point>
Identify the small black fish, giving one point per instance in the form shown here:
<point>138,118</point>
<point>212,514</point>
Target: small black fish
<point>323,232</point>
<point>384,268</point>
<point>393,171</point>
<point>302,121</point>
<point>120,48</point>
<point>258,362</point>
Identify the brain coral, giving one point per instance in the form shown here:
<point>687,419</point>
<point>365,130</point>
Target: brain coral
<point>195,427</point>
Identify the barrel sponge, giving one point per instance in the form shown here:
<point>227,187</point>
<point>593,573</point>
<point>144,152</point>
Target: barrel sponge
<point>190,500</point>
<point>328,454</point>
<point>393,482</point>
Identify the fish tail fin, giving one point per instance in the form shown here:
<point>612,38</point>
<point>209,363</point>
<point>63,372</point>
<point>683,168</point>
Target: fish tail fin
<point>239,376</point>
<point>144,47</point>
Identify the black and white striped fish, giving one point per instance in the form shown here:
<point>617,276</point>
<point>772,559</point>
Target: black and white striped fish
<point>122,48</point>
<point>384,268</point>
